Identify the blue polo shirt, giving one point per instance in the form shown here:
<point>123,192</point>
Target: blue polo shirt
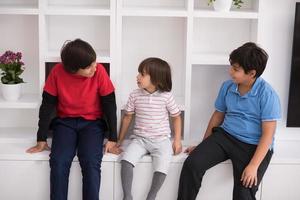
<point>244,114</point>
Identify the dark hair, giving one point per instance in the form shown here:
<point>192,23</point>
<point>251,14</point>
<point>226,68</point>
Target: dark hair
<point>77,54</point>
<point>250,57</point>
<point>159,71</point>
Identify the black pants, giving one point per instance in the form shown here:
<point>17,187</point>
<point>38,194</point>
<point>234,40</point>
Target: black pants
<point>215,149</point>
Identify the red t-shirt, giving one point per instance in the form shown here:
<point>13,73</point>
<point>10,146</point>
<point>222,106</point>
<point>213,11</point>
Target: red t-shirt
<point>78,96</point>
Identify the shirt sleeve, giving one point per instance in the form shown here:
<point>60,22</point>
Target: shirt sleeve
<point>50,84</point>
<point>105,85</point>
<point>220,103</point>
<point>270,106</point>
<point>46,113</point>
<point>109,108</point>
<point>130,106</point>
<point>172,107</point>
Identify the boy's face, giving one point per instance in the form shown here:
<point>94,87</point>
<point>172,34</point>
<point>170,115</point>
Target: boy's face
<point>144,81</point>
<point>88,71</point>
<point>239,76</point>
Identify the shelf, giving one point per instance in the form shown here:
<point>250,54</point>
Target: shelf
<point>77,10</point>
<point>154,12</point>
<point>54,56</point>
<point>19,10</point>
<point>17,151</point>
<point>17,134</point>
<point>210,59</point>
<point>26,101</point>
<point>230,14</point>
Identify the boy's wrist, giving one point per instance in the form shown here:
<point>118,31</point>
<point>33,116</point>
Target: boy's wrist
<point>253,165</point>
<point>177,140</point>
<point>119,142</point>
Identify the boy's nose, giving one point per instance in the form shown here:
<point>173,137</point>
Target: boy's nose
<point>230,70</point>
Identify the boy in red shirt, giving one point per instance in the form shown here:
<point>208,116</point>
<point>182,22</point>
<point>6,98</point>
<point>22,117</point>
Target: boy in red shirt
<point>81,92</point>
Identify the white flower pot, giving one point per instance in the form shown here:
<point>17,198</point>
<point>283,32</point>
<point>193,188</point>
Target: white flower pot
<point>222,5</point>
<point>11,92</point>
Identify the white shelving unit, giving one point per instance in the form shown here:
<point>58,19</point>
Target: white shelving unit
<point>189,34</point>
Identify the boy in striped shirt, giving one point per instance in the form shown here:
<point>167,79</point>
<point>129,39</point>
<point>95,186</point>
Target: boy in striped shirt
<point>151,106</point>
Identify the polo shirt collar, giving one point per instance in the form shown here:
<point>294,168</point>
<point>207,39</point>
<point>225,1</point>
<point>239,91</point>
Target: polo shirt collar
<point>255,87</point>
<point>252,92</point>
<point>148,93</point>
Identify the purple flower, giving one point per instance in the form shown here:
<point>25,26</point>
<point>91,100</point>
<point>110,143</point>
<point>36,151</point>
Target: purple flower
<point>11,67</point>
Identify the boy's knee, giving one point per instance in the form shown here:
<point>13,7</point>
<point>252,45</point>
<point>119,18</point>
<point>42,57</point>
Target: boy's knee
<point>60,165</point>
<point>193,163</point>
<point>90,163</point>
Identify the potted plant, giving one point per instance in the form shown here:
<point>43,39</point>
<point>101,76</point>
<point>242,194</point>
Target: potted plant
<point>225,5</point>
<point>11,68</point>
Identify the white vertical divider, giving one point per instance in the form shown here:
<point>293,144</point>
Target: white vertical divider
<point>259,26</point>
<point>188,70</point>
<point>113,57</point>
<point>42,43</point>
<point>118,58</point>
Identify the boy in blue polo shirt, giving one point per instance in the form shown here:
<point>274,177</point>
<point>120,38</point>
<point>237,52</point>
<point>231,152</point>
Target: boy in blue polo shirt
<point>241,128</point>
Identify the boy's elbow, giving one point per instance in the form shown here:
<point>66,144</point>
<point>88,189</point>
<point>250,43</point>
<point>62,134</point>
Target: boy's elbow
<point>127,117</point>
<point>176,118</point>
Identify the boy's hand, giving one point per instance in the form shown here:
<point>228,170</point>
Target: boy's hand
<point>249,176</point>
<point>116,150</point>
<point>112,147</point>
<point>177,147</point>
<point>39,147</point>
<point>189,149</point>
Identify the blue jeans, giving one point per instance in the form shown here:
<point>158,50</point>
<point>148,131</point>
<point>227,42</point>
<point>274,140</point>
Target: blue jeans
<point>71,135</point>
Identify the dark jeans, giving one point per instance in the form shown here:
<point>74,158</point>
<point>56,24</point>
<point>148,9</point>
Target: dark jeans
<point>71,135</point>
<point>215,149</point>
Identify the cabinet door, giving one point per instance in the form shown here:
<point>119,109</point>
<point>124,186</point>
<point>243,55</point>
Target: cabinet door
<point>217,183</point>
<point>24,180</point>
<point>31,180</point>
<point>281,181</point>
<point>75,181</point>
<point>142,177</point>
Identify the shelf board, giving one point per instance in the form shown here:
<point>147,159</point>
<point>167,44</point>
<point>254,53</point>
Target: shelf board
<point>17,134</point>
<point>26,101</point>
<point>210,59</point>
<point>230,14</point>
<point>76,10</point>
<point>154,12</point>
<point>54,56</point>
<point>19,10</point>
<point>17,152</point>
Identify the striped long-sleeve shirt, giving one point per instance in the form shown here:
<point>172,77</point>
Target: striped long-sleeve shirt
<point>152,112</point>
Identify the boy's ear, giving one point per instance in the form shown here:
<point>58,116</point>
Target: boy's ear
<point>252,73</point>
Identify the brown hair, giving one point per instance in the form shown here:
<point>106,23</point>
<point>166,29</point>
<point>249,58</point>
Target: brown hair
<point>77,54</point>
<point>159,71</point>
<point>250,57</point>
